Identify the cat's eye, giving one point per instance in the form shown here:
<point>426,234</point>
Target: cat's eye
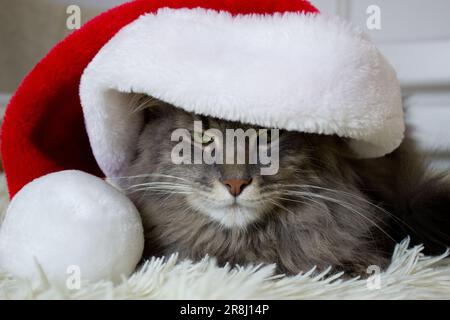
<point>203,138</point>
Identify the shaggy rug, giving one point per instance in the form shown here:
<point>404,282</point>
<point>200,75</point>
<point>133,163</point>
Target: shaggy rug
<point>411,275</point>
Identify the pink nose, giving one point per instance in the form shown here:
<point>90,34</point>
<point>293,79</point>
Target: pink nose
<point>236,186</point>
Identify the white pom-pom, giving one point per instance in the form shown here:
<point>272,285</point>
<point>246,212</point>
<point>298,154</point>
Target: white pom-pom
<point>72,226</point>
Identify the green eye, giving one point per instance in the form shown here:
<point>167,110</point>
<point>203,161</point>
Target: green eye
<point>202,138</point>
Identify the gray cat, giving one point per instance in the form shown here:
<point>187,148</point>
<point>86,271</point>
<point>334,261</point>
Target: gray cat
<point>323,208</point>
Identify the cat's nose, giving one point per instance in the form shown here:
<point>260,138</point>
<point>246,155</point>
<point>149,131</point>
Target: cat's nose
<point>236,186</point>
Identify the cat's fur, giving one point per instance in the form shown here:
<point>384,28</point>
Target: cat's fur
<point>323,208</point>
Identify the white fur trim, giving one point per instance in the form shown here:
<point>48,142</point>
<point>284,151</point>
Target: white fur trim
<point>309,73</point>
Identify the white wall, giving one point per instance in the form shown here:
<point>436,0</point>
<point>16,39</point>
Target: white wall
<point>415,37</point>
<point>92,3</point>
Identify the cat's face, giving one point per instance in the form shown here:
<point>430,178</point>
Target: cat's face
<point>233,195</point>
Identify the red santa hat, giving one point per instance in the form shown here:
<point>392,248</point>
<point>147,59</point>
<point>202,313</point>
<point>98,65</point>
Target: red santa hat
<point>271,63</point>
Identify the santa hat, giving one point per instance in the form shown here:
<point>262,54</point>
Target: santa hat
<point>273,63</point>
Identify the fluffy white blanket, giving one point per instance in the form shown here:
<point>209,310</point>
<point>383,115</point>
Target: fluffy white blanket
<point>411,275</point>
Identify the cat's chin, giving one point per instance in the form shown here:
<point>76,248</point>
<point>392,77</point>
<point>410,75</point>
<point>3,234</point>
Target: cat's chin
<point>228,214</point>
<point>233,216</point>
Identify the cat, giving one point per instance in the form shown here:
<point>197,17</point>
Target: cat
<point>324,207</point>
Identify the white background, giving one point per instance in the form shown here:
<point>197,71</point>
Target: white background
<point>414,35</point>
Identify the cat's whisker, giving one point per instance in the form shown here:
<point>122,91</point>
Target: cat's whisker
<point>160,184</point>
<point>311,196</point>
<point>306,188</point>
<point>168,188</point>
<point>159,188</point>
<point>343,204</point>
<point>316,204</point>
<point>140,103</point>
<point>165,184</point>
<point>158,192</point>
<point>151,175</point>
<point>353,195</point>
<point>275,203</point>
